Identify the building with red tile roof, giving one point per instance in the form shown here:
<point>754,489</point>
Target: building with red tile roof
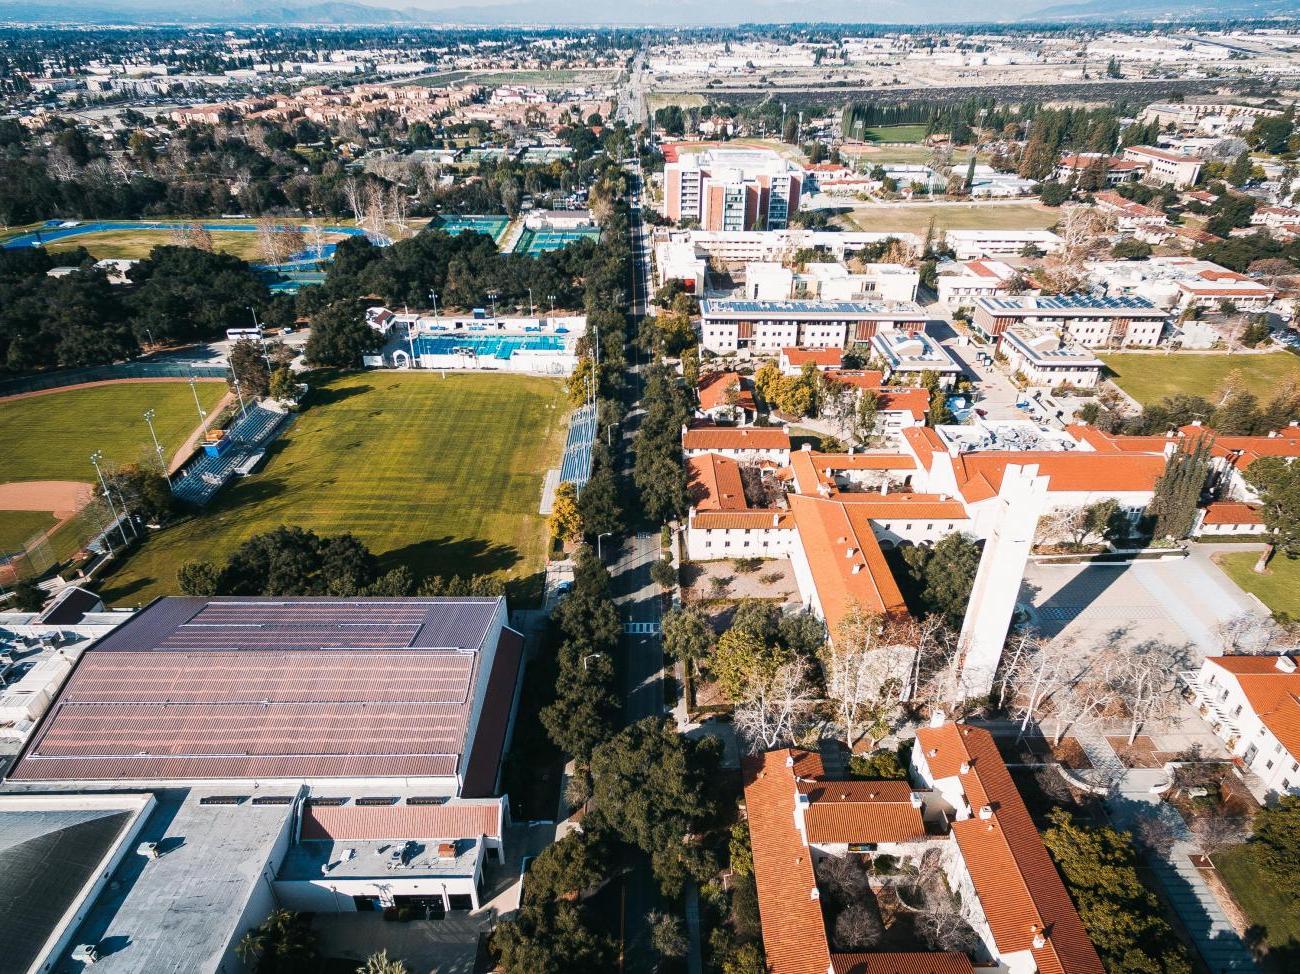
<point>726,397</point>
<point>759,444</point>
<point>1253,704</point>
<point>1009,888</point>
<point>792,359</point>
<point>1227,519</point>
<point>961,803</point>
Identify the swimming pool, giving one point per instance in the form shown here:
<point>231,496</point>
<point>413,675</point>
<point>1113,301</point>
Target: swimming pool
<point>496,346</point>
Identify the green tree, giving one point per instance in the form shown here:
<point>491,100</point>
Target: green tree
<point>653,788</point>
<point>666,935</point>
<point>551,940</point>
<point>283,386</point>
<point>340,336</point>
<point>663,573</point>
<point>687,634</point>
<point>1277,482</point>
<point>564,869</point>
<point>249,367</point>
<point>198,578</point>
<point>741,657</point>
<point>145,492</point>
<point>284,943</point>
<point>1239,171</point>
<point>1275,845</point>
<point>599,505</point>
<point>1123,919</point>
<point>28,596</point>
<point>1178,491</point>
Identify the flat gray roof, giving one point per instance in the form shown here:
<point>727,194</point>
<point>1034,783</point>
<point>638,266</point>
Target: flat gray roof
<point>314,859</point>
<point>180,912</point>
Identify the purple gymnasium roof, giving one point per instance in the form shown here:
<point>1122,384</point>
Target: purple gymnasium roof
<point>196,688</point>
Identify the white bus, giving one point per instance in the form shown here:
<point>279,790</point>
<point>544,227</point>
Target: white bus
<point>237,334</point>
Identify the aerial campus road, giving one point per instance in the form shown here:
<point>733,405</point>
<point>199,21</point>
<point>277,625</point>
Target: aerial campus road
<point>637,598</point>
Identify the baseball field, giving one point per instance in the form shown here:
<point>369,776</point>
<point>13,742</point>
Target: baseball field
<point>46,440</point>
<point>443,475</point>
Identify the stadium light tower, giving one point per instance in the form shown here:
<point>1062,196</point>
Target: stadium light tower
<point>492,296</point>
<point>552,297</point>
<point>148,418</point>
<point>532,311</point>
<point>94,459</point>
<point>433,296</point>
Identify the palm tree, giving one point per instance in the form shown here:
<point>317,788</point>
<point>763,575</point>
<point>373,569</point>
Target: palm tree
<point>380,963</point>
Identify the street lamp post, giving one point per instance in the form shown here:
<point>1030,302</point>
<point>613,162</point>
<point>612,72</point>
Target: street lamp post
<point>590,656</point>
<point>532,312</point>
<point>94,459</point>
<point>606,534</point>
<point>203,415</point>
<point>148,418</point>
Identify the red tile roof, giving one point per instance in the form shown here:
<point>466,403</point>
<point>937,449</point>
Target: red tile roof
<point>861,811</point>
<point>903,507</point>
<point>703,437</point>
<point>848,568</point>
<point>794,932</point>
<point>753,519</point>
<point>454,820</point>
<point>979,475</point>
<point>713,391</point>
<point>821,357</point>
<point>713,483</point>
<point>898,963</point>
<point>1018,886</point>
<point>1231,512</point>
<point>1242,451</point>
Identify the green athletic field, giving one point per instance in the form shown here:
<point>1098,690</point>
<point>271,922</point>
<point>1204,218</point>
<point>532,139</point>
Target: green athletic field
<point>1149,377</point>
<point>51,436</point>
<point>443,475</point>
<point>16,527</point>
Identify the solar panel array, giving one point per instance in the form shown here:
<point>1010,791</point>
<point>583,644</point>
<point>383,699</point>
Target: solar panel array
<point>1070,302</point>
<point>299,688</point>
<point>584,427</point>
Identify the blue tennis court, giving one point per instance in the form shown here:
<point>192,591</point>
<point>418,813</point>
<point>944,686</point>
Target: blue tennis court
<point>483,346</point>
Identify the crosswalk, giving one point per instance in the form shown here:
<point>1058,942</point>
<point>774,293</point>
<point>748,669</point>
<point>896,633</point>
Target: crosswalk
<point>641,628</point>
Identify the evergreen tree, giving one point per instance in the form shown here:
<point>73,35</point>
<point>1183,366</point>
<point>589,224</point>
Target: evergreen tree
<point>1178,491</point>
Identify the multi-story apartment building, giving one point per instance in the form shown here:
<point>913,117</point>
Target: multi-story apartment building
<point>732,190</point>
<point>1084,319</point>
<point>729,325</point>
<point>1166,167</point>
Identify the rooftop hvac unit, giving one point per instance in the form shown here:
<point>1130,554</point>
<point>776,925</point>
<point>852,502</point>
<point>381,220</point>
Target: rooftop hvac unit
<point>150,850</point>
<point>85,953</point>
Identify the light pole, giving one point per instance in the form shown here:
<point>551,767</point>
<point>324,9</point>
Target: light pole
<point>552,298</point>
<point>148,418</point>
<point>203,415</point>
<point>433,296</point>
<point>239,391</point>
<point>94,459</point>
<point>606,534</point>
<point>532,312</point>
<point>609,435</point>
<point>590,656</point>
<point>492,296</point>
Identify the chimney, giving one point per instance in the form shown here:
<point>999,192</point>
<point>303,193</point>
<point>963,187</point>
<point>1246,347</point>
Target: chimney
<point>857,569</point>
<point>933,752</point>
<point>776,520</point>
<point>917,800</point>
<point>1039,941</point>
<point>884,487</point>
<point>807,448</point>
<point>1273,434</point>
<point>965,767</point>
<point>850,552</point>
<point>815,894</point>
<point>986,811</point>
<point>851,449</point>
<point>1286,664</point>
<point>938,718</point>
<point>789,760</point>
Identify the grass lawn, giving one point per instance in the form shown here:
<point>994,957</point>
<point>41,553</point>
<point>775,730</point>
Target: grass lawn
<point>1279,588</point>
<point>136,244</point>
<point>900,154</point>
<point>916,217</point>
<point>16,527</point>
<point>1150,377</point>
<point>1278,918</point>
<point>894,133</point>
<point>51,437</point>
<point>442,475</point>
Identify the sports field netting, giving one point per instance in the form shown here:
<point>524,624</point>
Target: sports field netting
<point>492,226</point>
<point>534,242</point>
<point>484,346</point>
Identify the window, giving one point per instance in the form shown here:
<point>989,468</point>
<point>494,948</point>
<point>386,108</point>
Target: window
<point>1268,765</point>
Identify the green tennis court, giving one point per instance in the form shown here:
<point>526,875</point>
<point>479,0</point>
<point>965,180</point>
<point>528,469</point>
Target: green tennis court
<point>534,242</point>
<point>492,226</point>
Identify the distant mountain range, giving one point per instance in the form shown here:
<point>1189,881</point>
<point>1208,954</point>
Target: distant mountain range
<point>629,12</point>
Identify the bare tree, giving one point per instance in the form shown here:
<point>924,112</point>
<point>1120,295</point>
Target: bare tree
<point>1213,831</point>
<point>858,927</point>
<point>842,878</point>
<point>864,671</point>
<point>1252,634</point>
<point>1024,647</point>
<point>352,195</point>
<point>939,922</point>
<point>1148,679</point>
<point>773,706</point>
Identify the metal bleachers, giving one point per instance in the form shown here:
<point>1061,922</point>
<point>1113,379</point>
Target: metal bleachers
<point>584,425</point>
<point>199,480</point>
